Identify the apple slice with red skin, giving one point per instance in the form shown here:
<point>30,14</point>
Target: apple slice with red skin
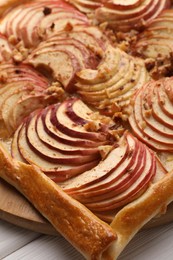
<point>7,108</point>
<point>85,115</point>
<point>113,13</point>
<point>109,64</point>
<point>140,135</point>
<point>98,174</point>
<point>65,54</point>
<point>157,37</point>
<point>147,101</point>
<point>145,124</point>
<point>17,105</point>
<point>122,4</point>
<point>29,28</point>
<point>60,120</point>
<point>132,18</point>
<point>90,38</point>
<point>45,122</point>
<point>158,110</point>
<point>138,21</point>
<point>60,19</point>
<point>162,141</point>
<point>12,73</point>
<point>116,176</point>
<point>140,185</point>
<point>117,192</point>
<point>21,86</point>
<point>72,110</point>
<point>52,154</point>
<point>108,216</point>
<point>5,49</point>
<point>25,21</point>
<point>63,65</point>
<point>114,81</point>
<point>85,58</point>
<point>58,161</point>
<point>128,176</point>
<point>85,6</point>
<point>60,146</point>
<point>116,14</point>
<point>149,48</point>
<point>165,101</point>
<point>57,171</point>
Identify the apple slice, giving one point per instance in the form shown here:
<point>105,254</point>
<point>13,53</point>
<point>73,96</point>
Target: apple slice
<point>149,120</point>
<point>85,6</point>
<point>114,81</point>
<point>44,122</point>
<point>114,183</point>
<point>118,175</point>
<point>99,173</point>
<point>131,18</point>
<point>5,49</point>
<point>156,39</point>
<point>64,124</point>
<point>66,53</point>
<point>21,86</point>
<point>135,190</point>
<point>57,171</point>
<point>122,5</point>
<point>152,119</point>
<point>165,100</point>
<point>32,22</point>
<point>15,73</point>
<point>53,156</point>
<point>47,139</point>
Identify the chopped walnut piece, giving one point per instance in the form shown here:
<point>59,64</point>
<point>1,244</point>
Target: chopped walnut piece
<point>148,113</point>
<point>117,133</point>
<point>149,64</point>
<point>160,67</point>
<point>103,26</point>
<point>12,39</point>
<point>47,11</point>
<point>96,117</point>
<point>6,55</point>
<point>92,126</point>
<point>57,90</point>
<point>41,32</point>
<point>143,124</point>
<point>105,150</point>
<point>68,27</point>
<point>3,77</point>
<point>17,56</point>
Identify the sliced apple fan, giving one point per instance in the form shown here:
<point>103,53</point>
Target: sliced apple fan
<point>66,142</point>
<point>123,15</point>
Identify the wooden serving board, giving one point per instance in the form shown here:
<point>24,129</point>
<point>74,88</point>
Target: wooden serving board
<point>15,209</point>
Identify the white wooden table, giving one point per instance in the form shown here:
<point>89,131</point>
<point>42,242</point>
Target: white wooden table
<point>21,244</point>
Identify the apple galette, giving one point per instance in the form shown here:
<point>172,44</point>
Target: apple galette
<point>86,115</point>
